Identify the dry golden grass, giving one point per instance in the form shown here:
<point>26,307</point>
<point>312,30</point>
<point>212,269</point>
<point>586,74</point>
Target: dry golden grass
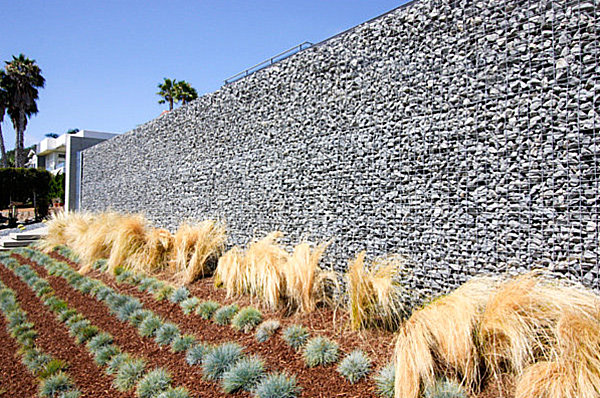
<point>445,330</point>
<point>305,281</point>
<point>194,247</point>
<point>375,299</point>
<point>155,255</point>
<point>230,272</point>
<point>57,225</point>
<point>92,245</point>
<point>127,240</point>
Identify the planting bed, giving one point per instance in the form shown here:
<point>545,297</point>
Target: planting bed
<point>93,381</point>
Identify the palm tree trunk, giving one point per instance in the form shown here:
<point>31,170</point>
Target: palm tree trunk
<point>3,161</point>
<point>19,161</point>
<point>170,104</point>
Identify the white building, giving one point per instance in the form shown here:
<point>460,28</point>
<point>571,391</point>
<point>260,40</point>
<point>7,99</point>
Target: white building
<point>63,155</point>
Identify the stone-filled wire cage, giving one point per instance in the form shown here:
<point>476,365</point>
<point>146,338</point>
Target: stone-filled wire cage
<point>464,134</point>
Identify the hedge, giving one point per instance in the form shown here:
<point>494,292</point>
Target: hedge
<point>23,185</point>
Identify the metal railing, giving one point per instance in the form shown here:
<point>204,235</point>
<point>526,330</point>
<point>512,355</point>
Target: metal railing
<point>276,58</point>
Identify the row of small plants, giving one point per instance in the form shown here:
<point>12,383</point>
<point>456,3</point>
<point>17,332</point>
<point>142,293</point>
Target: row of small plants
<point>224,363</point>
<point>129,371</point>
<point>315,351</point>
<point>54,380</point>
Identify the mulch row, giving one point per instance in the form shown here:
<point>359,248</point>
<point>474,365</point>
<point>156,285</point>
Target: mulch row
<point>54,339</point>
<point>278,356</point>
<point>15,378</point>
<point>127,338</point>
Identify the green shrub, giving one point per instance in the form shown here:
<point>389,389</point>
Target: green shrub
<point>164,292</point>
<point>153,383</point>
<point>385,380</point>
<point>56,384</point>
<point>224,315</point>
<point>320,351</point>
<point>245,374</point>
<point>104,354</point>
<point>51,368</point>
<point>179,295</point>
<point>265,330</point>
<point>355,366</point>
<point>149,326</point>
<point>178,392</point>
<point>277,385</point>
<point>182,343</point>
<point>296,336</point>
<point>100,340</point>
<point>206,309</point>
<point>189,305</point>
<point>196,353</point>
<point>128,374</point>
<point>220,359</point>
<point>166,333</point>
<point>246,319</point>
<point>445,389</point>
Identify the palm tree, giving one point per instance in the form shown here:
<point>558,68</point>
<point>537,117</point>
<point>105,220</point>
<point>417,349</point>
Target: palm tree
<point>24,78</point>
<point>168,92</point>
<point>185,92</point>
<point>3,106</point>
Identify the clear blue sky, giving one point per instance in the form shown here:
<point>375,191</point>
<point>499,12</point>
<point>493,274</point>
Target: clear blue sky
<point>103,59</point>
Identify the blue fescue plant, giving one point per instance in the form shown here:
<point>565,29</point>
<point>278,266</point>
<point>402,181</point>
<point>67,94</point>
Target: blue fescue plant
<point>128,308</point>
<point>164,292</point>
<point>320,351</point>
<point>385,380</point>
<point>35,360</point>
<point>183,343</point>
<point>115,362</point>
<point>70,394</point>
<point>51,368</point>
<point>179,295</point>
<point>277,385</point>
<point>86,333</point>
<point>355,366</point>
<point>146,283</point>
<point>129,372</point>
<point>245,375</point>
<point>246,319</point>
<point>206,309</point>
<point>149,326</point>
<point>138,316</point>
<point>54,385</point>
<point>445,389</point>
<point>189,305</point>
<point>225,314</point>
<point>103,355</point>
<point>153,383</point>
<point>86,286</point>
<point>220,359</point>
<point>178,392</point>
<point>265,330</point>
<point>166,333</point>
<point>196,353</point>
<point>100,340</point>
<point>296,336</point>
<point>124,276</point>
<point>66,315</point>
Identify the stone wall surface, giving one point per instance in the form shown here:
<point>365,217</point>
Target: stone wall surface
<point>464,134</point>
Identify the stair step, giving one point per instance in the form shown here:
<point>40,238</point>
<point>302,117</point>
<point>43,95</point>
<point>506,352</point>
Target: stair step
<point>26,236</point>
<point>8,244</point>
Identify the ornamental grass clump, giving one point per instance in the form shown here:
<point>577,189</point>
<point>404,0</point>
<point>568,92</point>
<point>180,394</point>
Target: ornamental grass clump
<point>277,385</point>
<point>153,383</point>
<point>385,380</point>
<point>155,254</point>
<point>166,334</point>
<point>218,360</point>
<point>164,292</point>
<point>127,240</point>
<point>129,372</point>
<point>51,368</point>
<point>115,362</point>
<point>355,366</point>
<point>125,310</point>
<point>100,340</point>
<point>244,375</point>
<point>55,385</point>
<point>183,343</point>
<point>265,330</point>
<point>179,295</point>
<point>445,389</point>
<point>196,353</point>
<point>149,326</point>
<point>103,355</point>
<point>320,351</point>
<point>196,249</point>
<point>206,309</point>
<point>296,336</point>
<point>189,305</point>
<point>138,316</point>
<point>375,297</point>
<point>35,360</point>
<point>246,319</point>
<point>225,314</point>
<point>177,392</point>
<point>92,245</point>
<point>56,236</point>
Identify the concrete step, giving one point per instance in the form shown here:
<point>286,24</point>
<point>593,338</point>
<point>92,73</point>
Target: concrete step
<point>10,243</point>
<point>26,236</point>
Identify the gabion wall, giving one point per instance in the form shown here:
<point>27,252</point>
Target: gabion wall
<point>463,134</point>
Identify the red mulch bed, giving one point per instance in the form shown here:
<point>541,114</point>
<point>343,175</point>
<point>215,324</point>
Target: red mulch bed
<point>15,379</point>
<point>54,339</point>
